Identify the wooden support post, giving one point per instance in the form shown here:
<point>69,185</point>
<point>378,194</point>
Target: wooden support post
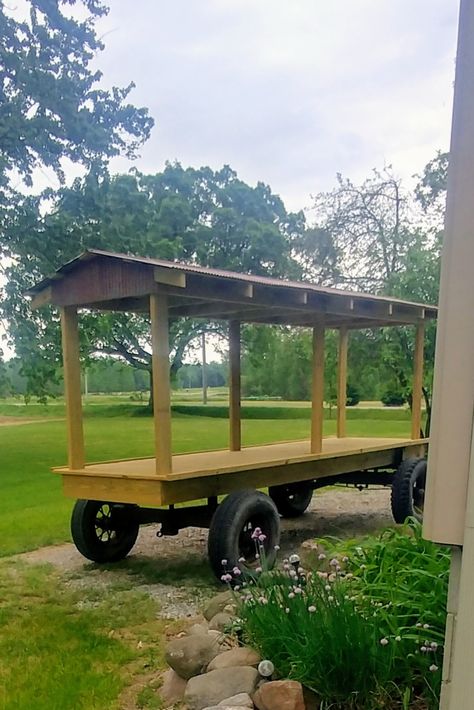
<point>417,381</point>
<point>161,382</point>
<point>234,386</point>
<point>317,390</point>
<point>342,382</point>
<point>72,387</point>
<point>204,368</point>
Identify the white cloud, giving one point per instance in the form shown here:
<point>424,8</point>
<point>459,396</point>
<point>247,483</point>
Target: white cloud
<point>287,92</point>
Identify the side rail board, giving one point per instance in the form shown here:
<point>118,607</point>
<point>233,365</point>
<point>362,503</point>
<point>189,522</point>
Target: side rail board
<point>146,491</point>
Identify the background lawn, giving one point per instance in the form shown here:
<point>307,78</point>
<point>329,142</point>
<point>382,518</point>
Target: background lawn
<point>34,511</point>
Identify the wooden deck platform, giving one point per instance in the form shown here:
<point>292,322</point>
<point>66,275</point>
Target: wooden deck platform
<point>210,473</point>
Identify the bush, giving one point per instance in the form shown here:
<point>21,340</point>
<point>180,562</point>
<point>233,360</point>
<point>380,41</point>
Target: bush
<point>353,396</point>
<point>393,398</point>
<point>365,630</point>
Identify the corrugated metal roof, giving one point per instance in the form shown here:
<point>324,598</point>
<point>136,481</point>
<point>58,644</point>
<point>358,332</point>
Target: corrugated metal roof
<point>222,274</point>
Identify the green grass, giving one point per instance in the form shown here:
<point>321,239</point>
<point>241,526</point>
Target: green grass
<point>34,512</point>
<point>64,648</point>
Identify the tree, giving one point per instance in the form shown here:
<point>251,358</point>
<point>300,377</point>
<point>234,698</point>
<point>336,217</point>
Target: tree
<point>379,243</point>
<point>52,107</point>
<point>204,216</point>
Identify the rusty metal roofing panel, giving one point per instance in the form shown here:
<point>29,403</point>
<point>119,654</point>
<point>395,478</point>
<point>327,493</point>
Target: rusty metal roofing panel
<point>221,274</point>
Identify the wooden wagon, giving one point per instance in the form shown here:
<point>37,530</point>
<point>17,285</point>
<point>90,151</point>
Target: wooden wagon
<point>115,497</point>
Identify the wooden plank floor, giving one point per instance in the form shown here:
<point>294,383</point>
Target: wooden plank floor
<point>252,457</point>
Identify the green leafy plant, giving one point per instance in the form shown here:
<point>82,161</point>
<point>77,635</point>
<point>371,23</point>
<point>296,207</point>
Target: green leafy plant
<point>364,629</point>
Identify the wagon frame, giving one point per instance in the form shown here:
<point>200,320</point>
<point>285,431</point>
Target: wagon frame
<point>115,497</point>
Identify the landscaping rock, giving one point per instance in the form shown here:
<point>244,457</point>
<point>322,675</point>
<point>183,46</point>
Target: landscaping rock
<point>226,707</point>
<point>172,687</point>
<point>309,552</point>
<point>239,656</point>
<point>218,603</point>
<point>211,688</point>
<point>198,629</point>
<point>280,695</point>
<point>225,642</point>
<point>191,655</point>
<point>241,700</point>
<point>220,621</point>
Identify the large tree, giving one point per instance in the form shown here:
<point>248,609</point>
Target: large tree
<point>52,105</point>
<point>196,215</point>
<point>379,240</point>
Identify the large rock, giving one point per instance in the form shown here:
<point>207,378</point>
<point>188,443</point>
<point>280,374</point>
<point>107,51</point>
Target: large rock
<point>241,700</point>
<point>279,695</point>
<point>220,621</point>
<point>211,688</point>
<point>218,603</point>
<point>240,656</point>
<point>191,655</point>
<point>172,687</point>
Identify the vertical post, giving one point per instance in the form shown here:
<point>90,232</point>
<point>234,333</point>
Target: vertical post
<point>72,387</point>
<point>417,381</point>
<point>161,382</point>
<point>317,390</point>
<point>342,382</point>
<point>204,369</point>
<point>234,386</point>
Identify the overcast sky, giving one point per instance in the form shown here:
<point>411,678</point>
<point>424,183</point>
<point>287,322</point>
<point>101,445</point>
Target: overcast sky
<point>287,91</point>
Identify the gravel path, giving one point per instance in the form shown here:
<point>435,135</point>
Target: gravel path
<point>334,512</point>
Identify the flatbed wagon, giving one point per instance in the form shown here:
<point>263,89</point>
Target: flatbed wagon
<point>115,497</point>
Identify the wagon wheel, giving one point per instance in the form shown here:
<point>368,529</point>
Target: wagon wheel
<point>291,499</point>
<point>103,532</point>
<point>408,490</point>
<point>231,529</point>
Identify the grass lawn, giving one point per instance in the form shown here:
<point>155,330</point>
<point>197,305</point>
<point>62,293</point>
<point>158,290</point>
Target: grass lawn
<point>34,511</point>
<point>65,646</point>
<point>74,648</point>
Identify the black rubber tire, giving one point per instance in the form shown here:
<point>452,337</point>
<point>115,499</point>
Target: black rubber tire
<point>231,528</point>
<point>408,490</point>
<point>291,499</point>
<point>118,534</point>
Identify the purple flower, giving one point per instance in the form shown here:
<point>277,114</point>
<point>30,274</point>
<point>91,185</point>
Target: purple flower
<point>237,571</point>
<point>256,533</point>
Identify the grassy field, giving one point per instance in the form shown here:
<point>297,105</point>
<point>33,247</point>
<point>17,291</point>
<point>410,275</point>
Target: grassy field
<point>34,512</point>
<point>64,647</point>
<point>83,647</point>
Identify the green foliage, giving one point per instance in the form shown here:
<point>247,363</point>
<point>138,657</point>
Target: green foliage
<point>56,109</point>
<point>365,629</point>
<point>190,376</point>
<point>392,397</point>
<point>204,216</point>
<point>353,396</point>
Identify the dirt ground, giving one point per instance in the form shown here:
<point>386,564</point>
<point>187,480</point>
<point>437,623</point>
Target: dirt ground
<point>334,512</point>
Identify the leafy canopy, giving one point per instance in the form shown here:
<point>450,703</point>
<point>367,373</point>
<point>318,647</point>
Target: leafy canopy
<point>52,106</point>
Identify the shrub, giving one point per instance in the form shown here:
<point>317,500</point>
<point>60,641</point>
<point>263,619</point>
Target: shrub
<point>353,395</point>
<point>393,398</point>
<point>364,630</point>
